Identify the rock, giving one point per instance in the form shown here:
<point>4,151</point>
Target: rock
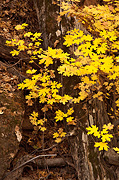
<point>11,116</point>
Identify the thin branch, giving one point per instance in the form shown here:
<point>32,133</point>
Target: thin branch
<point>14,71</point>
<point>28,162</point>
<point>16,63</point>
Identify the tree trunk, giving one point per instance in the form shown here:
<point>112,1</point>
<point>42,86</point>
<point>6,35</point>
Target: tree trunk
<point>88,162</point>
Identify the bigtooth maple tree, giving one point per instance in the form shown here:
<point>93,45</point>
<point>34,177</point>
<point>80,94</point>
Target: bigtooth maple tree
<point>95,55</point>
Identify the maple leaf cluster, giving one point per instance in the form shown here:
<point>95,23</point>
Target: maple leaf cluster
<point>103,135</point>
<point>95,55</point>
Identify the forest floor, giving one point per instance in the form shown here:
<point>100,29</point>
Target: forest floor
<point>22,142</point>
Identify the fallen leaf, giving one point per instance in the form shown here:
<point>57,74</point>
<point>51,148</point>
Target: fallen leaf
<point>1,110</point>
<point>10,94</point>
<point>30,102</point>
<point>58,140</point>
<point>12,155</point>
<point>18,133</point>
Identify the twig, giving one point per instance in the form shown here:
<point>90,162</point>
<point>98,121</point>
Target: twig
<point>19,61</point>
<point>13,71</point>
<point>28,162</point>
<point>49,148</point>
<point>68,135</point>
<point>15,63</point>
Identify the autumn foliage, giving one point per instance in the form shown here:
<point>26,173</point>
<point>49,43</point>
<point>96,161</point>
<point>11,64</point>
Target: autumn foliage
<point>94,60</point>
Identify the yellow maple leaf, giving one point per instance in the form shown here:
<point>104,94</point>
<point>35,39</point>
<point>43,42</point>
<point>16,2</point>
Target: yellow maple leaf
<point>20,43</point>
<point>89,38</point>
<point>70,111</point>
<point>34,114</point>
<point>98,94</point>
<point>33,38</point>
<point>30,102</point>
<point>48,61</point>
<point>69,40</point>
<point>28,34</point>
<point>42,99</point>
<point>59,115</point>
<point>106,137</point>
<point>37,43</point>
<point>73,122</point>
<point>24,24</point>
<point>102,145</point>
<point>51,101</point>
<point>31,71</point>
<point>8,43</point>
<point>117,103</point>
<point>100,98</point>
<point>14,52</point>
<point>37,35</point>
<point>93,130</point>
<point>40,122</point>
<point>105,83</point>
<point>30,44</point>
<point>63,134</point>
<point>19,27</point>
<point>83,94</point>
<point>22,47</point>
<point>55,135</point>
<point>69,119</point>
<point>29,52</point>
<point>65,99</point>
<point>60,130</point>
<point>21,86</point>
<point>43,129</point>
<point>116,149</point>
<point>58,140</point>
<point>108,126</point>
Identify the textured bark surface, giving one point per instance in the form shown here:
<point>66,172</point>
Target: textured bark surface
<point>11,116</point>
